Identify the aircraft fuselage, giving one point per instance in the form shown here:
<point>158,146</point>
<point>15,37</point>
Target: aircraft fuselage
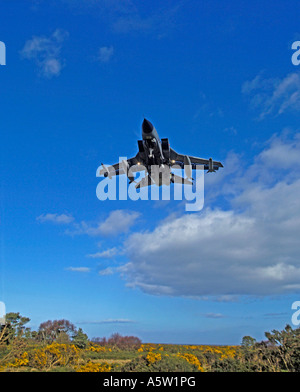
<point>152,145</point>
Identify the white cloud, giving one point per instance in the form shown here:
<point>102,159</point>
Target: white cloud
<point>78,269</point>
<point>46,52</point>
<point>117,222</point>
<point>109,321</point>
<point>117,321</point>
<point>107,271</point>
<point>105,53</point>
<point>56,218</point>
<point>214,315</point>
<point>105,254</point>
<point>251,248</point>
<point>274,96</point>
<point>282,154</point>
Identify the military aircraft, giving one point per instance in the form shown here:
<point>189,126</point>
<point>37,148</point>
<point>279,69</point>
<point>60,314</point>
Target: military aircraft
<point>156,158</point>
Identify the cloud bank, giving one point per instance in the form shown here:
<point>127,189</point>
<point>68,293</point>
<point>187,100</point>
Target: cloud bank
<point>274,96</point>
<point>251,248</point>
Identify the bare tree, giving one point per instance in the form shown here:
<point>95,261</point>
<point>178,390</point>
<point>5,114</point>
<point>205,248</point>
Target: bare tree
<point>51,329</point>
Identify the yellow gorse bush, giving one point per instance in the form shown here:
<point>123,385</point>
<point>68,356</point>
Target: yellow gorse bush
<point>46,357</point>
<point>22,361</point>
<point>191,347</point>
<point>152,357</point>
<point>192,359</point>
<point>98,349</point>
<point>94,367</point>
<point>146,347</point>
<point>222,351</point>
<point>229,352</point>
<point>55,354</point>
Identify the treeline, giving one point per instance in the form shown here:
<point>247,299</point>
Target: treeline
<point>119,341</point>
<point>59,331</point>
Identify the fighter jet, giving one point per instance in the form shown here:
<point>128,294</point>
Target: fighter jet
<point>156,158</point>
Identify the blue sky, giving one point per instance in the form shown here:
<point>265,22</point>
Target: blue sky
<point>214,77</point>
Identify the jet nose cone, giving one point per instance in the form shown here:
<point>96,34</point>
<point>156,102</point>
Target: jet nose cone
<point>147,127</point>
